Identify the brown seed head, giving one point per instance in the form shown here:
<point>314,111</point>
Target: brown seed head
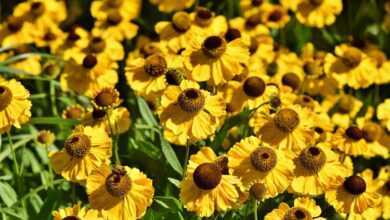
<point>286,119</point>
<point>89,61</point>
<point>214,46</point>
<point>291,80</point>
<point>181,21</point>
<point>118,183</point>
<point>313,159</point>
<point>207,176</point>
<point>191,100</point>
<point>254,86</point>
<point>155,65</point>
<point>354,133</point>
<point>203,16</point>
<point>355,185</point>
<point>263,159</point>
<point>78,145</point>
<point>297,213</point>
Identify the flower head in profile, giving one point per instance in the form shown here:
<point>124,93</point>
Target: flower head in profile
<point>76,212</point>
<point>350,141</point>
<point>119,119</point>
<point>304,208</point>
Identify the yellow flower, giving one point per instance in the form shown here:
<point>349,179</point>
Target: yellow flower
<point>350,141</point>
<point>30,64</point>
<point>318,13</point>
<point>73,112</point>
<point>14,105</point>
<point>207,186</point>
<point>274,16</point>
<point>382,63</point>
<point>208,22</point>
<point>317,169</point>
<point>126,9</point>
<point>382,113</point>
<point>249,6</point>
<point>76,39</point>
<point>256,162</point>
<point>93,74</point>
<point>347,107</point>
<point>350,67</point>
<point>145,47</point>
<point>15,32</point>
<point>354,195</point>
<point>121,193</point>
<point>290,4</point>
<point>250,25</point>
<point>120,120</point>
<point>46,138</point>
<point>304,208</point>
<point>76,212</point>
<point>106,98</point>
<point>290,128</point>
<point>85,150</point>
<point>214,60</point>
<point>172,5</point>
<point>372,134</point>
<point>189,114</point>
<point>50,36</point>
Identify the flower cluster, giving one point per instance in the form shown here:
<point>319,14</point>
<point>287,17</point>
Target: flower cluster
<point>261,120</point>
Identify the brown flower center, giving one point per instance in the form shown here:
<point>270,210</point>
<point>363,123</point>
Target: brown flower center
<point>252,21</point>
<point>49,36</point>
<point>37,8</point>
<point>203,17</point>
<point>354,133</point>
<point>181,21</point>
<point>78,145</point>
<point>286,119</point>
<point>232,34</point>
<point>291,80</point>
<point>5,97</point>
<point>71,218</point>
<point>207,176</point>
<point>345,104</point>
<point>305,101</point>
<point>106,97</point>
<point>312,68</point>
<point>275,15</point>
<point>263,159</point>
<point>73,36</point>
<point>214,46</point>
<point>258,191</point>
<point>114,18</point>
<point>155,65</point>
<point>114,3</point>
<point>316,2</point>
<point>191,100</point>
<point>222,164</point>
<point>312,158</point>
<point>255,42</point>
<point>45,137</point>
<point>14,24</point>
<point>275,102</point>
<point>352,57</point>
<point>297,213</point>
<point>98,114</point>
<point>89,61</point>
<point>355,185</point>
<point>254,86</point>
<point>97,45</point>
<point>74,112</point>
<point>118,183</point>
<point>174,76</point>
<point>257,2</point>
<point>272,69</point>
<point>372,132</point>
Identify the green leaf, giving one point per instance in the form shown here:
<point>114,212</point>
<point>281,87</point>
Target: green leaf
<point>146,113</point>
<point>170,155</point>
<point>54,121</point>
<point>51,202</point>
<point>170,203</point>
<point>175,182</point>
<point>8,194</point>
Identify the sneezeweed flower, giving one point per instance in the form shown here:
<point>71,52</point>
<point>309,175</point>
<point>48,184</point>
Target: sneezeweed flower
<point>350,66</point>
<point>382,63</point>
<point>251,25</point>
<point>350,141</point>
<point>274,16</point>
<point>51,37</point>
<point>73,112</point>
<point>46,138</point>
<point>75,39</point>
<point>85,150</point>
<point>172,5</point>
<point>119,193</point>
<point>290,128</point>
<point>76,212</point>
<point>354,195</point>
<point>119,122</point>
<point>208,187</point>
<point>15,31</point>
<point>372,133</point>
<point>346,108</point>
<point>30,65</point>
<point>318,13</point>
<point>106,98</point>
<point>189,114</point>
<point>304,208</point>
<point>126,9</point>
<point>382,113</point>
<point>249,6</point>
<point>317,169</point>
<point>206,20</point>
<point>256,162</point>
<point>14,104</point>
<point>214,60</point>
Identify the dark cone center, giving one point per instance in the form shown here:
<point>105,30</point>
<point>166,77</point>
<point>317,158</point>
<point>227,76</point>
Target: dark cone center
<point>97,45</point>
<point>286,119</point>
<point>272,69</point>
<point>191,100</point>
<point>149,49</point>
<point>78,145</point>
<point>252,21</point>
<point>214,46</point>
<point>155,65</point>
<point>5,97</point>
<point>297,213</point>
<point>345,104</point>
<point>207,176</point>
<point>114,18</point>
<point>263,159</point>
<point>174,76</point>
<point>37,8</point>
<point>98,114</point>
<point>118,183</point>
<point>49,36</point>
<point>203,16</point>
<point>114,3</point>
<point>352,57</point>
<point>354,133</point>
<point>355,185</point>
<point>275,16</point>
<point>106,98</point>
<point>257,2</point>
<point>74,113</point>
<point>254,86</point>
<point>14,24</point>
<point>89,61</point>
<point>181,21</point>
<point>232,34</point>
<point>313,159</point>
<point>291,80</point>
<point>71,218</point>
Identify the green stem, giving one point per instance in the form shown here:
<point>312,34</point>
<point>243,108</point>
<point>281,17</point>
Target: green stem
<point>40,188</point>
<point>255,217</point>
<point>51,177</point>
<point>11,145</point>
<point>187,155</point>
<point>114,144</point>
<point>53,99</point>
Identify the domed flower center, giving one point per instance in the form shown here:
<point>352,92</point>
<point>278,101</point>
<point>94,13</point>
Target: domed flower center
<point>232,34</point>
<point>355,185</point>
<point>255,42</point>
<point>74,113</point>
<point>319,130</point>
<point>352,57</point>
<point>297,213</point>
<point>174,76</point>
<point>37,8</point>
<point>305,101</point>
<point>354,133</point>
<point>118,183</point>
<point>106,97</point>
<point>257,2</point>
<point>78,145</point>
<point>254,86</point>
<point>286,119</point>
<point>313,159</point>
<point>272,69</point>
<point>89,61</point>
<point>275,15</point>
<point>345,104</point>
<point>5,97</point>
<point>14,24</point>
<point>155,65</point>
<point>45,137</point>
<point>203,17</point>
<point>97,45</point>
<point>214,46</point>
<point>71,218</point>
<point>191,100</point>
<point>263,159</point>
<point>252,21</point>
<point>49,36</point>
<point>312,68</point>
<point>149,49</point>
<point>114,3</point>
<point>372,132</point>
<point>275,102</point>
<point>291,80</point>
<point>316,2</point>
<point>114,18</point>
<point>258,191</point>
<point>207,176</point>
<point>98,114</point>
<point>73,36</point>
<point>181,21</point>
